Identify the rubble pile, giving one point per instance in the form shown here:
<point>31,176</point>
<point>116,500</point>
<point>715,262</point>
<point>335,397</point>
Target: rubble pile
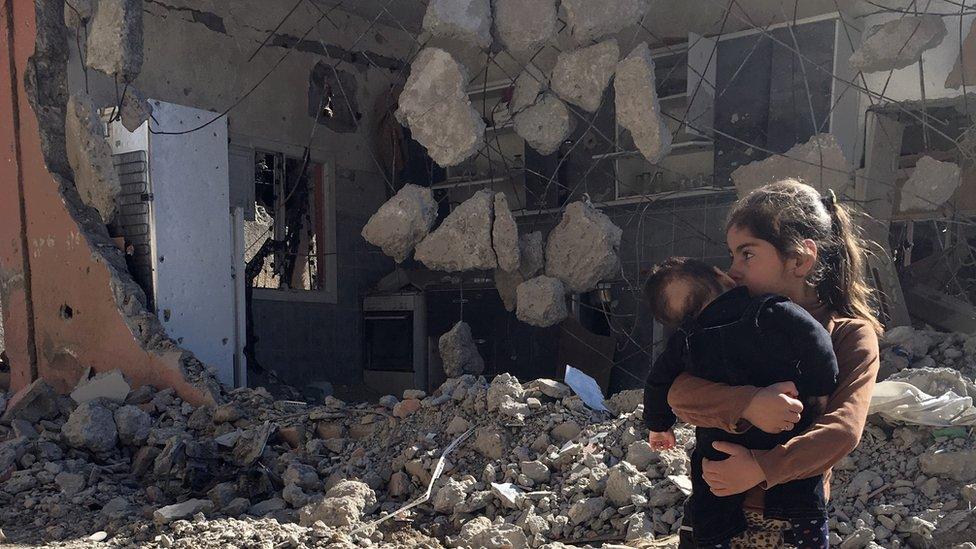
<point>529,465</point>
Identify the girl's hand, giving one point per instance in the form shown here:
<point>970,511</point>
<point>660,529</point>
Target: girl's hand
<point>661,441</point>
<point>734,475</point>
<point>774,409</point>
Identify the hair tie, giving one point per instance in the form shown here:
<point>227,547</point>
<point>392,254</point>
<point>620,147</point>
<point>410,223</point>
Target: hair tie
<point>830,200</point>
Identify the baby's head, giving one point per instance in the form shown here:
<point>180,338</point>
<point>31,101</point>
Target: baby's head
<point>679,288</point>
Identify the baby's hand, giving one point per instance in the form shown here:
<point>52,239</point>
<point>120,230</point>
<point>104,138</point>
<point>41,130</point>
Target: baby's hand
<point>661,441</point>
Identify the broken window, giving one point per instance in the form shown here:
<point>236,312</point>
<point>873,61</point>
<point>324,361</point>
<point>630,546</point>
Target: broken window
<point>284,244</point>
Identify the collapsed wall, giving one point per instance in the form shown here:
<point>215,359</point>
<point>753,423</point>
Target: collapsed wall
<point>73,304</point>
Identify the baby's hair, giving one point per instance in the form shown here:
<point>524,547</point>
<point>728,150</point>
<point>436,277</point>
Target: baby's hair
<point>788,212</point>
<point>703,278</point>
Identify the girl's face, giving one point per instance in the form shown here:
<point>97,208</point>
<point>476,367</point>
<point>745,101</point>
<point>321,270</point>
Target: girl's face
<point>757,265</point>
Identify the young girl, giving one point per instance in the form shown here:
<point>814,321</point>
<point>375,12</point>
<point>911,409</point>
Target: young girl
<point>786,239</point>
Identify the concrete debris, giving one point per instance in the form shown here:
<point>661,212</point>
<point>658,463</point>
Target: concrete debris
<point>898,43</point>
<point>91,426</point>
<point>533,255</point>
<point>459,353</point>
<point>183,510</point>
<point>637,106</point>
<point>402,222</point>
<point>582,249</point>
<point>802,162</point>
<point>545,125</point>
<point>525,26</point>
<point>507,285</point>
<point>505,236</point>
<point>541,301</point>
<point>581,75</point>
<point>115,39</point>
<point>136,109</point>
<point>77,14</point>
<point>481,532</point>
<point>133,425</point>
<point>588,21</point>
<point>108,385</point>
<point>964,70</point>
<point>528,86</point>
<point>435,106</point>
<point>931,184</point>
<point>33,403</point>
<point>343,505</point>
<point>466,20</point>
<point>90,157</point>
<point>463,240</point>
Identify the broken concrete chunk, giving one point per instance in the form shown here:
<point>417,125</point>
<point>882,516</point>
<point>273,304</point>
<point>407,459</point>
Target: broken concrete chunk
<point>90,157</point>
<point>586,510</point>
<point>183,510</point>
<point>136,109</point>
<point>481,532</point>
<point>637,106</point>
<point>536,470</point>
<point>133,425</point>
<point>624,482</point>
<point>528,85</point>
<point>956,465</point>
<point>450,495</point>
<point>541,301</point>
<point>343,505</point>
<point>589,20</point>
<point>115,39</point>
<point>802,162</point>
<point>504,235</point>
<point>463,240</point>
<point>507,284</point>
<point>582,249</point>
<point>551,388</point>
<point>491,442</point>
<point>466,20</point>
<point>77,13</point>
<point>898,44</point>
<point>931,184</point>
<point>532,254</point>
<point>545,125</point>
<point>108,385</point>
<point>91,426</point>
<point>524,26</point>
<point>580,76</point>
<point>33,403</point>
<point>435,106</point>
<point>459,352</point>
<point>402,221</point>
<point>964,71</point>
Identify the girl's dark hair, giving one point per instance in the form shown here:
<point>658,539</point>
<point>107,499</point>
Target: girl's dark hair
<point>788,212</point>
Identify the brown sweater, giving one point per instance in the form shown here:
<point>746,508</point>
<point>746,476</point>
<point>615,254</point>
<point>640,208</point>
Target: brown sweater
<point>706,404</point>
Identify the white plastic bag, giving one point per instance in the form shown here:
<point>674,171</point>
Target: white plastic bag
<point>902,401</point>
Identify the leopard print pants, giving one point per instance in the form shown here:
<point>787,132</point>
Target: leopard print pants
<point>766,533</point>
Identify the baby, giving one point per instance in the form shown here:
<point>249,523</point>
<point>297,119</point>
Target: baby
<point>727,336</point>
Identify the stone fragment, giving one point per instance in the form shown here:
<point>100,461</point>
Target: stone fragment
<point>266,507</point>
<point>640,455</point>
<point>545,125</point>
<point>463,240</point>
<point>957,465</point>
<point>90,157</point>
<point>301,475</point>
<point>117,508</point>
<point>964,70</point>
<point>586,510</point>
<point>222,494</point>
<point>450,495</point>
<point>343,505</point>
<point>109,385</point>
<point>581,76</point>
<point>551,388</point>
<point>590,21</point>
<point>459,353</point>
<point>92,427</point>
<point>406,408</point>
<point>399,485</point>
<point>582,249</point>
<point>524,26</point>
<point>482,533</point>
<point>227,413</point>
<point>115,39</point>
<point>200,419</point>
<point>182,510</point>
<point>237,507</point>
<point>624,482</point>
<point>541,301</point>
<point>937,381</point>
<point>251,444</point>
<point>504,235</point>
<point>532,254</point>
<point>640,526</point>
<point>414,393</point>
<point>898,43</point>
<point>19,482</point>
<point>457,426</point>
<point>133,425</point>
<point>402,221</point>
<point>637,106</point>
<point>535,470</point>
<point>504,387</point>
<point>507,284</point>
<point>136,109</point>
<point>931,184</point>
<point>490,442</point>
<point>567,430</point>
<point>294,496</point>
<point>466,20</point>
<point>802,162</point>
<point>528,86</point>
<point>77,13</point>
<point>435,106</point>
<point>70,483</point>
<point>23,428</point>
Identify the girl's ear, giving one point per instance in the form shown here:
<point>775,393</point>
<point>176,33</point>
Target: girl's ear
<point>806,259</point>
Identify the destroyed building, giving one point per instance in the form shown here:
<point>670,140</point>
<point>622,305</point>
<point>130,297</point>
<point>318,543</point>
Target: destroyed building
<point>274,271</point>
